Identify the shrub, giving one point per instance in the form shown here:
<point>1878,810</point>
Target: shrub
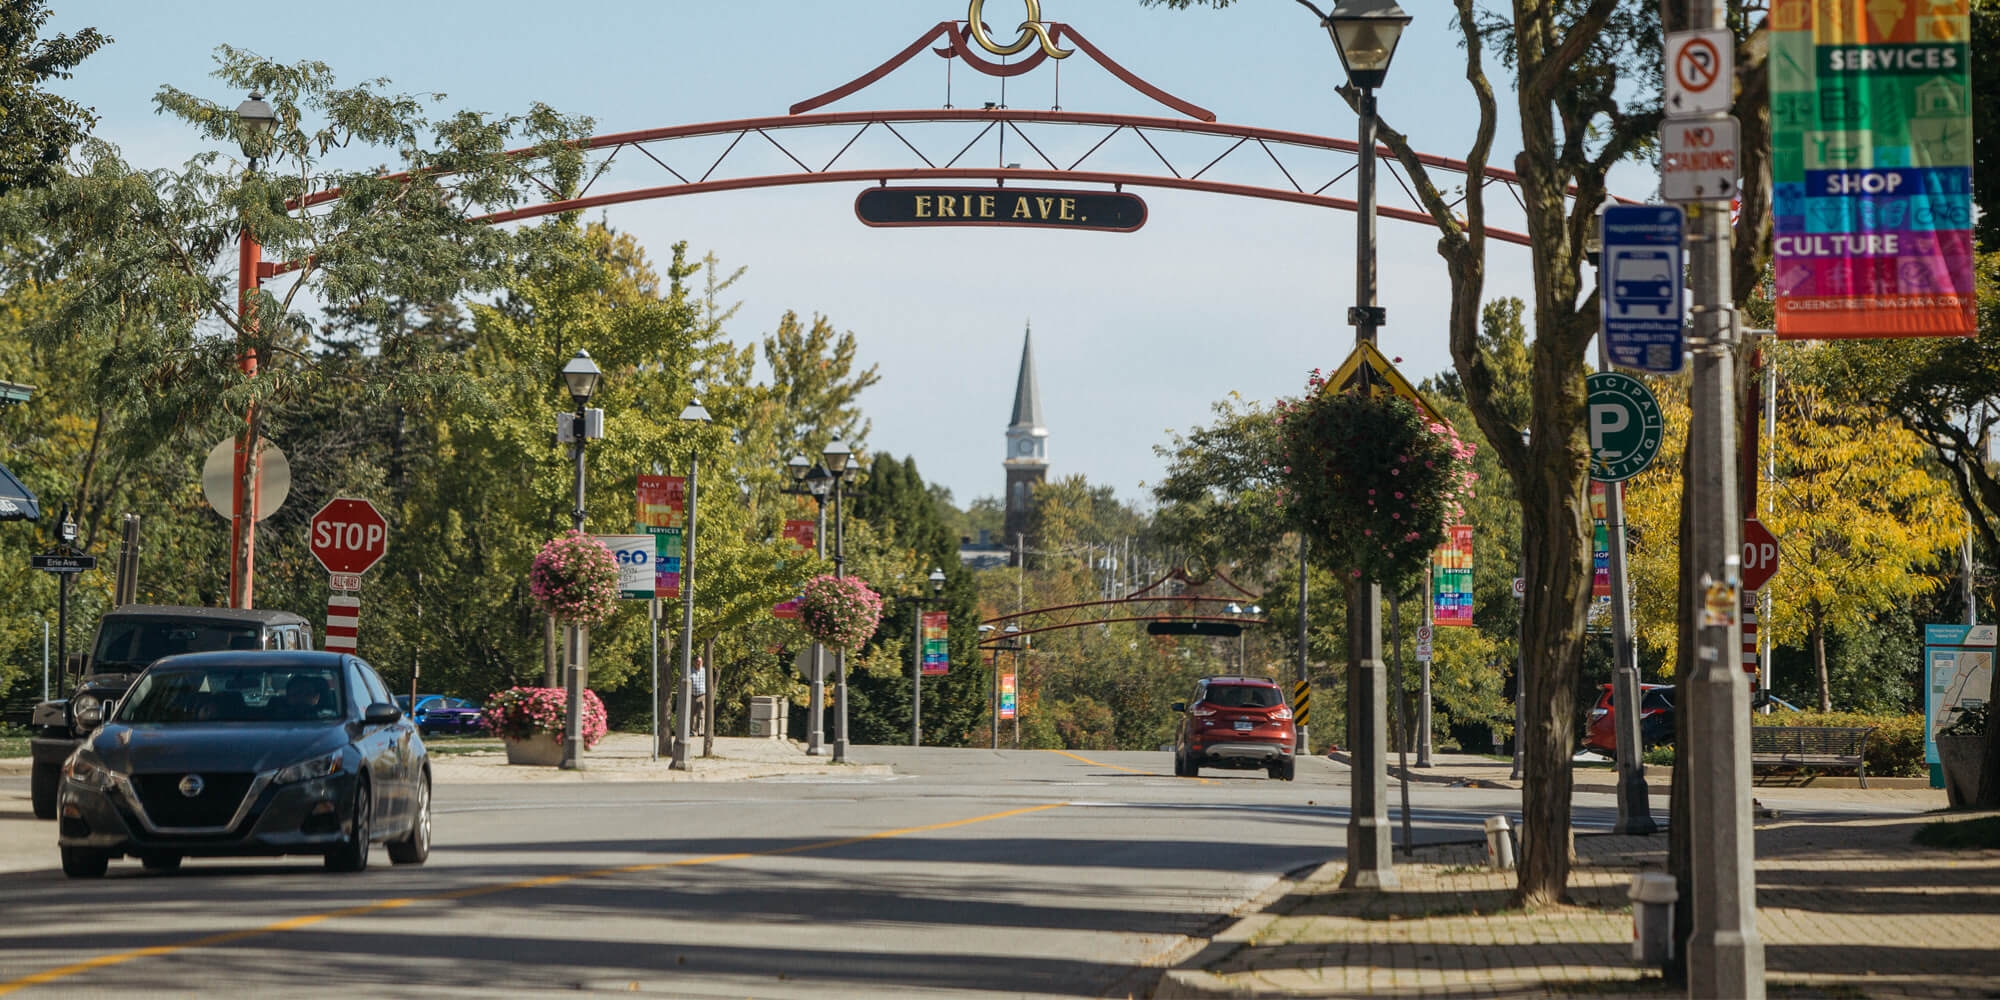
<point>1372,480</point>
<point>575,579</point>
<point>1895,748</point>
<point>839,611</point>
<point>520,713</point>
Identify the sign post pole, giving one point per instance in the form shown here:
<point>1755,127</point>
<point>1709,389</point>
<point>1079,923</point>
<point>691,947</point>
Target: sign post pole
<point>1725,957</point>
<point>1625,432</point>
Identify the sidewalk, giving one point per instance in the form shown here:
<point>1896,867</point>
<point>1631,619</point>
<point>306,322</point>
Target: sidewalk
<point>1847,909</point>
<point>628,757</point>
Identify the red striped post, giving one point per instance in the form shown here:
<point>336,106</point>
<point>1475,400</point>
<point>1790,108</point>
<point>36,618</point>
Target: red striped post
<point>343,618</point>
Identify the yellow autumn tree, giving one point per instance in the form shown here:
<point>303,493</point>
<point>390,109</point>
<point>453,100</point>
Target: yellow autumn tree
<point>1862,519</point>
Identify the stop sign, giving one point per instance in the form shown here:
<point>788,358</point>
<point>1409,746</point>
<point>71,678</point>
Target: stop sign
<point>348,535</point>
<point>1760,555</point>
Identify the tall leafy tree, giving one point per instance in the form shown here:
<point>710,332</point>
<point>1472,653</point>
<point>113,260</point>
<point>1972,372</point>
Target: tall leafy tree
<point>38,128</point>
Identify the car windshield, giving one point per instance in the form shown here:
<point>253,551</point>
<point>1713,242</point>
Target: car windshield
<point>137,642</point>
<point>1241,696</point>
<point>192,695</point>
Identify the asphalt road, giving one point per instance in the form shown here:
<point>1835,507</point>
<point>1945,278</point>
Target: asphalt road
<point>1010,873</point>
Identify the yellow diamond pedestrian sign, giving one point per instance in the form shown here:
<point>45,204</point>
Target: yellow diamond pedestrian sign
<point>1366,370</point>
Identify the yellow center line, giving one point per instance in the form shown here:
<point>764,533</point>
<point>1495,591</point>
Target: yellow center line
<point>297,923</point>
<point>1114,767</point>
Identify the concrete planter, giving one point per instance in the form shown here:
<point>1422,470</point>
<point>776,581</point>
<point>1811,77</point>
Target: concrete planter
<point>539,750</point>
<point>1962,758</point>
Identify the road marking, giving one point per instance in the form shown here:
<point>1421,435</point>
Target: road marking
<point>1114,767</point>
<point>298,923</point>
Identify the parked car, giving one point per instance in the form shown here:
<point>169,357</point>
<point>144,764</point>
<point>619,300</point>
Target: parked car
<point>129,639</point>
<point>248,753</point>
<point>449,716</point>
<point>1235,722</point>
<point>1656,718</point>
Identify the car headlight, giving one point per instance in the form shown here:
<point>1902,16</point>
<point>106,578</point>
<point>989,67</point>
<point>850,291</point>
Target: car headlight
<point>88,710</point>
<point>307,770</point>
<point>89,772</point>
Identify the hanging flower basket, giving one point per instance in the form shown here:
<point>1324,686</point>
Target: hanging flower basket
<point>839,611</point>
<point>1372,480</point>
<point>575,579</point>
<point>535,714</point>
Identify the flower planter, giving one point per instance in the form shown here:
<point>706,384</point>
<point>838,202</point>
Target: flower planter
<point>539,750</point>
<point>1962,758</point>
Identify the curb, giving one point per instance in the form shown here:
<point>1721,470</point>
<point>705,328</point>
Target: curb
<point>1186,978</point>
<point>1427,776</point>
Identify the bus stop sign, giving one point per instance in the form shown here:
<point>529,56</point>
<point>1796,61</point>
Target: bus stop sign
<point>1640,284</point>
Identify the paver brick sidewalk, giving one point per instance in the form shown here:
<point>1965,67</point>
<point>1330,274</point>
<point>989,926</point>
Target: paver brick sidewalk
<point>1849,909</point>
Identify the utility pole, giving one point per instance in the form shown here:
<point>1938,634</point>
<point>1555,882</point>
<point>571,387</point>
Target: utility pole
<point>1725,957</point>
<point>1304,744</point>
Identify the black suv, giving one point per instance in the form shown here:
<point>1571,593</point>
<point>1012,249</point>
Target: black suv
<point>129,639</point>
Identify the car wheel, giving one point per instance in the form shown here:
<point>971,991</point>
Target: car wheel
<point>42,786</point>
<point>353,855</point>
<point>1192,767</point>
<point>83,862</point>
<point>1284,770</point>
<point>415,848</point>
<point>161,862</point>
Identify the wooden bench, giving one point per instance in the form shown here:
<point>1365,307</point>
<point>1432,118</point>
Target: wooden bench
<point>1810,746</point>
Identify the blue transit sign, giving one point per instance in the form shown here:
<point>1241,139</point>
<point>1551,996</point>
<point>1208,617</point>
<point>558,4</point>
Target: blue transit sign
<point>1640,282</point>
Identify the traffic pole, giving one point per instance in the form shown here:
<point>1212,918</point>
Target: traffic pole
<point>1725,957</point>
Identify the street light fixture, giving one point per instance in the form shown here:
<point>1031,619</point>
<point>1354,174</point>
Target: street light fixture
<point>580,376</point>
<point>696,415</point>
<point>809,478</point>
<point>917,659</point>
<point>255,123</point>
<point>1365,32</point>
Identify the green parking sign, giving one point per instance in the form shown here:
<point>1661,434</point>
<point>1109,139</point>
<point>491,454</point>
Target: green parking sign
<point>1625,426</point>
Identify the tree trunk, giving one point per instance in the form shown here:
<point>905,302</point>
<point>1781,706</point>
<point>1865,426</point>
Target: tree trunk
<point>1817,634</point>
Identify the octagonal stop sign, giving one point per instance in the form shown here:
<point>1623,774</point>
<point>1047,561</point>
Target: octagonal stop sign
<point>1760,554</point>
<point>348,535</point>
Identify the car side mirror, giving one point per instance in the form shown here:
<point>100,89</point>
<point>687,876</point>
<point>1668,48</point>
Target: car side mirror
<point>1179,706</point>
<point>381,714</point>
<point>76,663</point>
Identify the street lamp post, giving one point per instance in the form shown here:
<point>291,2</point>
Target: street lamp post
<point>697,415</point>
<point>255,122</point>
<point>1365,32</point>
<point>917,660</point>
<point>811,479</point>
<point>835,455</point>
<point>580,375</point>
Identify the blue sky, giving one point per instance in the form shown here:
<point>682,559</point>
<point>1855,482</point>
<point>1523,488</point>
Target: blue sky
<point>1135,334</point>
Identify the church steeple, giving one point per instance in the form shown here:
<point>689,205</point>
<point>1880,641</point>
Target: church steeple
<point>1027,461</point>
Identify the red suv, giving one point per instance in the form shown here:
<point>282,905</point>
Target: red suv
<point>1656,718</point>
<point>1235,722</point>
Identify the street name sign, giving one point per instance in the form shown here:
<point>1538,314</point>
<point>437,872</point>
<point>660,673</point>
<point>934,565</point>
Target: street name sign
<point>1104,211</point>
<point>1700,72</point>
<point>1640,284</point>
<point>348,536</point>
<point>1698,159</point>
<point>57,563</point>
<point>1625,426</point>
<point>1760,555</point>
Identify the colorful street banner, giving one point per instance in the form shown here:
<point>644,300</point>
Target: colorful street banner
<point>1600,545</point>
<point>937,644</point>
<point>1451,578</point>
<point>667,563</point>
<point>635,555</point>
<point>1006,696</point>
<point>662,503</point>
<point>802,532</point>
<point>1871,146</point>
<point>788,610</point>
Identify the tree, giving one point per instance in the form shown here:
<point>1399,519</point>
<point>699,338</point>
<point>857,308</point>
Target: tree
<point>38,128</point>
<point>1586,87</point>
